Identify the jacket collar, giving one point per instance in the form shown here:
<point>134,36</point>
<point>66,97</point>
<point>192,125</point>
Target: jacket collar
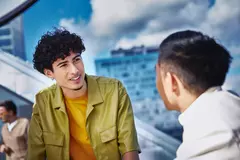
<point>94,94</point>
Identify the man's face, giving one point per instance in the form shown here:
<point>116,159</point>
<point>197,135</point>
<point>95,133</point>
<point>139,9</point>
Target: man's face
<point>4,114</point>
<point>69,72</point>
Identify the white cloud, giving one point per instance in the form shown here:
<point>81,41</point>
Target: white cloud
<point>222,21</point>
<point>233,83</point>
<point>113,17</point>
<point>116,23</point>
<point>152,39</point>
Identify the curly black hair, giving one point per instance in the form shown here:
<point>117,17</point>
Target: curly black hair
<point>55,45</point>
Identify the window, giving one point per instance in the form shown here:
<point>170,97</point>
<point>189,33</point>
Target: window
<point>143,66</point>
<point>4,32</point>
<point>125,74</point>
<point>5,42</point>
<point>105,64</point>
<point>8,51</point>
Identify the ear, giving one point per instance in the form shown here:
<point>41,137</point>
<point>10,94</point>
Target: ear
<point>177,84</point>
<point>49,73</point>
<point>173,82</point>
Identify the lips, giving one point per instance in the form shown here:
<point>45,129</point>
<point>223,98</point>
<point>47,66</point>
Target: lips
<point>76,78</point>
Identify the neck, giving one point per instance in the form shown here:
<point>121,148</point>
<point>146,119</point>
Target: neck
<point>75,93</point>
<point>186,101</point>
<point>12,119</point>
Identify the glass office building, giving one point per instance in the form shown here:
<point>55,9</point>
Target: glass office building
<point>134,68</point>
<point>11,38</point>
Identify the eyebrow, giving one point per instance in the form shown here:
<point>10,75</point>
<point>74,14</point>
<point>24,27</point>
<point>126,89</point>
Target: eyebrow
<point>61,63</point>
<point>78,55</point>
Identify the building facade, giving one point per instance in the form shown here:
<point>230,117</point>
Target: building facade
<point>11,38</point>
<point>135,68</point>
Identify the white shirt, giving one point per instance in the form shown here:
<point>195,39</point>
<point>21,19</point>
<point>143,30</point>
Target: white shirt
<point>11,125</point>
<point>211,128</point>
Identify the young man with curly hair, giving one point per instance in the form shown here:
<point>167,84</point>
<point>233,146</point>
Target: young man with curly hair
<point>81,116</point>
<point>190,71</point>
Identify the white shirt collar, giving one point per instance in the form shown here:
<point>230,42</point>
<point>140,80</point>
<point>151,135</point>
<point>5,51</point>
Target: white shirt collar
<point>10,126</point>
<point>184,116</point>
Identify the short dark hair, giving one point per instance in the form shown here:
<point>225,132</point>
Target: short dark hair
<point>9,105</point>
<point>55,45</point>
<point>198,60</point>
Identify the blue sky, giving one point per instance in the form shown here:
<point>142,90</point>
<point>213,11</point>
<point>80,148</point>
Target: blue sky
<point>46,14</point>
<point>108,24</point>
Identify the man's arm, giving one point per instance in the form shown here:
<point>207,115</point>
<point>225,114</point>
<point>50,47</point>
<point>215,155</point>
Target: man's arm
<point>36,147</point>
<point>127,135</point>
<point>26,131</point>
<point>131,156</point>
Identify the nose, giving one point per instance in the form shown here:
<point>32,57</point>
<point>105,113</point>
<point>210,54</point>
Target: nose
<point>73,69</point>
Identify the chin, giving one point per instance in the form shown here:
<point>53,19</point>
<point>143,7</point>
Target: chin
<point>78,88</point>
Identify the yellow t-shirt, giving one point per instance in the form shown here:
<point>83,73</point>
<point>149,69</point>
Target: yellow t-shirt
<point>80,147</point>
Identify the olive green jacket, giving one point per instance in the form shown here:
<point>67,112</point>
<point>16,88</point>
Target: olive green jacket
<point>109,122</point>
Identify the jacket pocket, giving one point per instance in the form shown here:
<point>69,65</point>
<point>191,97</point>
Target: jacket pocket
<point>54,139</point>
<point>108,134</point>
<point>109,146</point>
<point>54,145</point>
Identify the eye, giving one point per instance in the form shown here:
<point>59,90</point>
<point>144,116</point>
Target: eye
<point>63,65</point>
<point>78,59</point>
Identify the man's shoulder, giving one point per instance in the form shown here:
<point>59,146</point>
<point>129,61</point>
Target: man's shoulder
<point>228,106</point>
<point>224,101</point>
<point>47,91</point>
<point>104,80</point>
<point>217,110</point>
<point>23,120</point>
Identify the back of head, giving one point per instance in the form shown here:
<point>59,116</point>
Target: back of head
<point>10,106</point>
<point>198,60</point>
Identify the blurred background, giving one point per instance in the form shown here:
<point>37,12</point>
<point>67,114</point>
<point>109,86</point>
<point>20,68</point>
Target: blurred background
<point>121,39</point>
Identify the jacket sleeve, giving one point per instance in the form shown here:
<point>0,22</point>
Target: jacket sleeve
<point>127,135</point>
<point>36,147</point>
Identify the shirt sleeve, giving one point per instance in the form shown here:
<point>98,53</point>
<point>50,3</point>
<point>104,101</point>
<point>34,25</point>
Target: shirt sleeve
<point>127,135</point>
<point>36,147</point>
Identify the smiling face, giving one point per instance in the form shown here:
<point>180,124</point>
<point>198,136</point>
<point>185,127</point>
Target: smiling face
<point>69,72</point>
